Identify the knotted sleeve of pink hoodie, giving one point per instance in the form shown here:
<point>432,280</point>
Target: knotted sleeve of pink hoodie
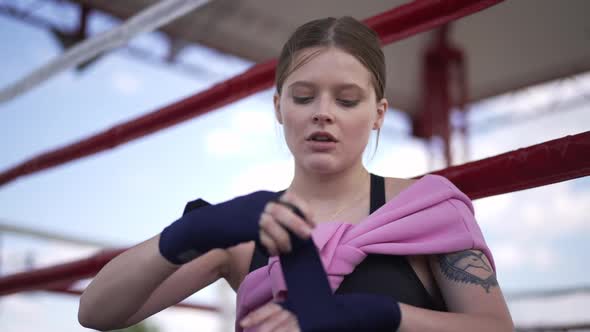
<point>432,216</point>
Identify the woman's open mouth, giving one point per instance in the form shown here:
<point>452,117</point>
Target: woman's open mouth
<point>321,141</point>
<point>321,146</point>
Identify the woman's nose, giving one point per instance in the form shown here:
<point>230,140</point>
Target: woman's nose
<point>323,110</point>
<point>322,118</point>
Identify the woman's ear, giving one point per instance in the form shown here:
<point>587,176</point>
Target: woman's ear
<point>381,109</point>
<point>277,102</point>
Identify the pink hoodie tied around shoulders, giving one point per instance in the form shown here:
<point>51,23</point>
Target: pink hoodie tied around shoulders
<point>432,216</point>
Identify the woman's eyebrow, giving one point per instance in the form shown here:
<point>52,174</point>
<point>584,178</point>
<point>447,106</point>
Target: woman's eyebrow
<point>346,87</point>
<point>337,87</point>
<point>304,84</point>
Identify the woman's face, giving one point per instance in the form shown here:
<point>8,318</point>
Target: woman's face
<point>331,93</point>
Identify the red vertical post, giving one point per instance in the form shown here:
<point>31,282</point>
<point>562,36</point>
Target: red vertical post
<point>443,66</point>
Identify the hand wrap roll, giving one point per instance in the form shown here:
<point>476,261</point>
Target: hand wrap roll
<point>311,299</point>
<point>214,226</point>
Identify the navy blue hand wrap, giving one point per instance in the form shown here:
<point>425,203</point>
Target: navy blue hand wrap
<point>310,297</point>
<point>214,226</point>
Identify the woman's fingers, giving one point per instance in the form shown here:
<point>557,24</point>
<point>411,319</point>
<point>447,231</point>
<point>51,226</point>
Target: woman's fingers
<point>278,217</point>
<point>271,317</point>
<point>283,211</point>
<point>275,232</point>
<point>280,321</point>
<point>290,220</point>
<point>301,204</point>
<point>291,325</point>
<point>259,315</point>
<point>269,244</point>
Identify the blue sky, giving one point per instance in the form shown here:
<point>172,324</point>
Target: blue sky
<point>130,193</point>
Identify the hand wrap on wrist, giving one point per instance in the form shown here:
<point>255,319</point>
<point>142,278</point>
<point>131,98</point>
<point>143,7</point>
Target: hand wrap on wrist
<point>310,297</point>
<point>213,226</point>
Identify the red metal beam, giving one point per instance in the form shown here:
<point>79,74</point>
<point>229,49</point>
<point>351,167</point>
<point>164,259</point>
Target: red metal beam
<point>538,165</point>
<point>422,15</point>
<point>56,276</point>
<point>558,160</point>
<point>393,25</point>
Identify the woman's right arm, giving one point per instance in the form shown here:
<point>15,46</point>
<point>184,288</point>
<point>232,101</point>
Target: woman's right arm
<point>140,282</point>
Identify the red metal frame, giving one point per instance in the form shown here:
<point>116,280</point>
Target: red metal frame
<point>558,160</point>
<point>392,25</point>
<point>443,66</point>
<point>58,276</point>
<point>550,162</point>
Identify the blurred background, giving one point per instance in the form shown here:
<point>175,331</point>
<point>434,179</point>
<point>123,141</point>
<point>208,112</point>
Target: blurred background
<point>514,75</point>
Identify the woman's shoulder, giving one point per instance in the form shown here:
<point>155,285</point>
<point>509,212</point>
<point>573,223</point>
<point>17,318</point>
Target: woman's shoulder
<point>430,182</point>
<point>394,186</point>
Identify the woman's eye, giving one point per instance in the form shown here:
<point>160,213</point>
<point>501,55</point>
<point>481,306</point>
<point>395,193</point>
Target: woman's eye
<point>302,100</point>
<point>347,102</point>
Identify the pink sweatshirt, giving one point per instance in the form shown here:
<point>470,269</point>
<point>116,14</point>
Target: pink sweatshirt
<point>431,216</point>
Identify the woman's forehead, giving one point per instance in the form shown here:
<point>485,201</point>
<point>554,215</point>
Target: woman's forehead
<point>328,66</point>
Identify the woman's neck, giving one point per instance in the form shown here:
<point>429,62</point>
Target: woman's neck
<point>330,188</point>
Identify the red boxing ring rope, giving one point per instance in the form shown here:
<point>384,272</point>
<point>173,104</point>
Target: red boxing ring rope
<point>558,160</point>
<point>392,25</point>
<point>58,276</point>
<point>554,161</point>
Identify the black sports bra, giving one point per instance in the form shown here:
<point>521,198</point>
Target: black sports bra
<point>378,274</point>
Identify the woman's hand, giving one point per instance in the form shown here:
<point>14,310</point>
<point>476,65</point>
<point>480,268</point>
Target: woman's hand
<point>277,218</point>
<point>271,317</point>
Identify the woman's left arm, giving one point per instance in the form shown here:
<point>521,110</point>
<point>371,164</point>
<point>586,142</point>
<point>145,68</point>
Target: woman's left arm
<point>470,290</point>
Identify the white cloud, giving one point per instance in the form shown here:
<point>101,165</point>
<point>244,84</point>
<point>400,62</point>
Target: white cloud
<point>523,228</point>
<point>540,213</point>
<point>399,160</point>
<point>224,143</point>
<point>507,256</point>
<point>273,175</point>
<point>513,256</point>
<point>22,304</point>
<point>490,210</point>
<point>244,133</point>
<point>253,121</point>
<point>567,309</point>
<point>544,258</point>
<point>125,83</point>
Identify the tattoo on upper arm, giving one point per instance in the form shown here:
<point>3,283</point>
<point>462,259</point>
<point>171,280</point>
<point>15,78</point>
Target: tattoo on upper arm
<point>468,266</point>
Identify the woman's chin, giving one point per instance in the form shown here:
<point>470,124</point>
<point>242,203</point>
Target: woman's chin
<point>321,164</point>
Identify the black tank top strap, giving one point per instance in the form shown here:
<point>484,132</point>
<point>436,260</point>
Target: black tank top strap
<point>259,259</point>
<point>377,192</point>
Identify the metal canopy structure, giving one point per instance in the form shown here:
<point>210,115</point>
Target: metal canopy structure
<point>509,46</point>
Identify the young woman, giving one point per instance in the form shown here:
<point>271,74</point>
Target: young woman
<point>414,242</point>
